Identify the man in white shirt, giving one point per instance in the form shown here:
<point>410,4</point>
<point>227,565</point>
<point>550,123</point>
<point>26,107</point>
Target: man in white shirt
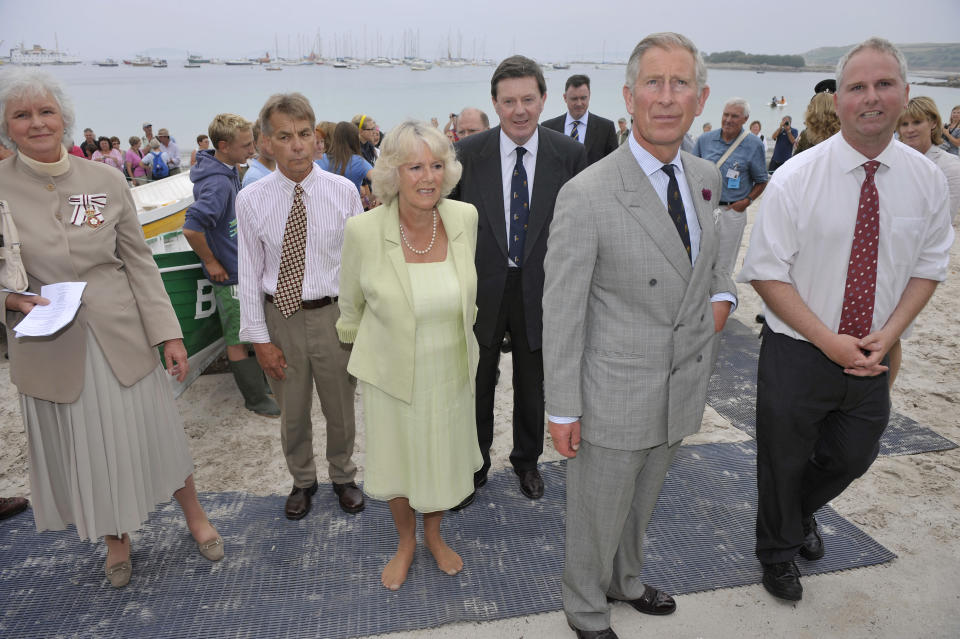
<point>595,133</point>
<point>291,226</point>
<point>851,241</point>
<point>169,146</point>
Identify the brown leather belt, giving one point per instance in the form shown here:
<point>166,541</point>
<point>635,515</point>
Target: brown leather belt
<point>307,304</point>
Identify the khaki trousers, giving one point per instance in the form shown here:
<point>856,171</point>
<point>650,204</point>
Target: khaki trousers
<point>309,342</point>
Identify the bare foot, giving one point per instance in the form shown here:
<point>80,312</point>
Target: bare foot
<point>395,572</point>
<point>447,560</point>
<point>118,548</point>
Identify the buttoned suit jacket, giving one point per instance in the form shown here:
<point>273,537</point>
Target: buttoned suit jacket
<point>376,300</point>
<point>481,184</point>
<point>628,323</point>
<point>601,138</point>
<point>124,303</point>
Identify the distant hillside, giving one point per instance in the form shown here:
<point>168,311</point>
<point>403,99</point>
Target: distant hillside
<point>926,56</point>
<point>739,57</point>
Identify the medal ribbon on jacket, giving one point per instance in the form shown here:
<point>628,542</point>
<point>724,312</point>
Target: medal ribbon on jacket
<point>87,209</point>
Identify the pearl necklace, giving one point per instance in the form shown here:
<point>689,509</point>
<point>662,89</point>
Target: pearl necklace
<point>433,238</point>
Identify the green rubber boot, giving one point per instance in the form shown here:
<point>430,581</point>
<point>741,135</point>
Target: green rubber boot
<point>251,383</point>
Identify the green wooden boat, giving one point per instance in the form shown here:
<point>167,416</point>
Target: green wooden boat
<point>191,294</point>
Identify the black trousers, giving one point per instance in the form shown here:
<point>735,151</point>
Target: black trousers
<point>818,429</point>
<point>527,384</point>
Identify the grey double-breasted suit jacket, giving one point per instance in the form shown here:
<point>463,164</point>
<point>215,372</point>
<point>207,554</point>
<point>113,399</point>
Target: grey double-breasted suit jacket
<point>628,324</point>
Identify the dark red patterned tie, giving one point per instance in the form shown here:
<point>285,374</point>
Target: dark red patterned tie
<point>860,292</point>
<point>292,258</point>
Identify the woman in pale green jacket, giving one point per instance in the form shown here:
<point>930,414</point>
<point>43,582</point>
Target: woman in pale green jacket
<point>408,288</point>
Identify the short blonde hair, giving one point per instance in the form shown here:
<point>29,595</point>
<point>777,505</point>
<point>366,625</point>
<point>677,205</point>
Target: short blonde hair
<point>400,145</point>
<point>225,127</point>
<point>923,108</point>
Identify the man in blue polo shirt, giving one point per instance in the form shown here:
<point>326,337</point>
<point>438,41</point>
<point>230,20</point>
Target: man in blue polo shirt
<point>743,171</point>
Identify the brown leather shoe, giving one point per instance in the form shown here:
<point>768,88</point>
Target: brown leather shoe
<point>351,497</point>
<point>652,602</point>
<point>298,503</point>
<point>10,506</point>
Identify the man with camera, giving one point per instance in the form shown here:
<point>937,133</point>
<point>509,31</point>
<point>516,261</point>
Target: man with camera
<point>786,138</point>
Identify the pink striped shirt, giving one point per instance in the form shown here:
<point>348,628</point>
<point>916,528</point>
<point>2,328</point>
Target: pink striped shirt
<point>262,209</point>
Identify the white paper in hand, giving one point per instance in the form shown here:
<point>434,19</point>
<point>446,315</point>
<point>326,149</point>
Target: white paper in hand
<point>46,320</point>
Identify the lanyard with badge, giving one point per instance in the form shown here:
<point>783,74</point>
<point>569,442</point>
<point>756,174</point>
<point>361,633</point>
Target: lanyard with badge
<point>733,176</point>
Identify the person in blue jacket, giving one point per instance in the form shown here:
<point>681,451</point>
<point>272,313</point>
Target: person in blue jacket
<point>211,229</point>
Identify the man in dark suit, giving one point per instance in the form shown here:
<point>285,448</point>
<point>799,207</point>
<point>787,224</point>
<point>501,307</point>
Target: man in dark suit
<point>512,174</point>
<point>598,135</point>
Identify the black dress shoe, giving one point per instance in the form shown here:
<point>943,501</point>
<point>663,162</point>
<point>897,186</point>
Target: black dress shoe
<point>783,580</point>
<point>531,483</point>
<point>479,479</point>
<point>298,503</point>
<point>10,506</point>
<point>812,548</point>
<point>606,633</point>
<point>651,602</point>
<point>351,497</point>
<point>466,502</point>
<point>507,344</point>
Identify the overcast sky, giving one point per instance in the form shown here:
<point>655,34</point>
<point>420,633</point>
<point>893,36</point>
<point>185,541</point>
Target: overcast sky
<point>548,31</point>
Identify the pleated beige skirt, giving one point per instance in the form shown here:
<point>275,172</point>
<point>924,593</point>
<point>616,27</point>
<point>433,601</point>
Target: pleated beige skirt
<point>105,461</point>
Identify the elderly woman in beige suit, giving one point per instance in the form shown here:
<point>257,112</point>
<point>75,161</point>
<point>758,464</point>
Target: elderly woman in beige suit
<point>106,443</point>
<point>408,289</point>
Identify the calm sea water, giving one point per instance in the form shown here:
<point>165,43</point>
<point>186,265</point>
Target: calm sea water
<point>116,100</point>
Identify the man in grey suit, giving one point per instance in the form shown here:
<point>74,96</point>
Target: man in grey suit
<point>635,293</point>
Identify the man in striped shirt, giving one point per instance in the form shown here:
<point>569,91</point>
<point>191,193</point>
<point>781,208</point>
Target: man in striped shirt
<point>289,275</point>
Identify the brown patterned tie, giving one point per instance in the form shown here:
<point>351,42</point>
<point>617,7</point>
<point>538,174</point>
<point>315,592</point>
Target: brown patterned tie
<point>292,258</point>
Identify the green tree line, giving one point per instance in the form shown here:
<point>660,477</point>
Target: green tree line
<point>739,57</point>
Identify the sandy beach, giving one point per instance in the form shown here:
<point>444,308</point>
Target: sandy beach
<point>910,504</point>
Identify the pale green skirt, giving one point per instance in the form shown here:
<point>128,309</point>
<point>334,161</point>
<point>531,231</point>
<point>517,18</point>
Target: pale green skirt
<point>427,450</point>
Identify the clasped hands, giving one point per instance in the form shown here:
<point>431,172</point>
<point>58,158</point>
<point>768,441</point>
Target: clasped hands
<point>859,357</point>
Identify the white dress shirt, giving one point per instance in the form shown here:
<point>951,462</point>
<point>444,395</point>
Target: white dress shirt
<point>508,160</point>
<point>173,151</point>
<point>581,128</point>
<point>262,211</point>
<point>804,230</point>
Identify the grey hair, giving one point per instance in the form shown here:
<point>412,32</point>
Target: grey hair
<point>399,145</point>
<point>877,44</point>
<point>17,84</point>
<point>294,105</point>
<point>740,102</point>
<point>665,40</point>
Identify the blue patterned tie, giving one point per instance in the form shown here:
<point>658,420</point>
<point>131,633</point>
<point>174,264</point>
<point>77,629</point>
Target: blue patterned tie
<point>519,208</point>
<point>574,133</point>
<point>676,210</point>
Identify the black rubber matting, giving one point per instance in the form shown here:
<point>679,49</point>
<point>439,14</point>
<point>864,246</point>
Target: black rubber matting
<point>733,393</point>
<point>320,576</point>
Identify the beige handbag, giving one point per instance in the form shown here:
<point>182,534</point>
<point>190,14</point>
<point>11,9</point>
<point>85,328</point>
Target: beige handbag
<point>12,274</point>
